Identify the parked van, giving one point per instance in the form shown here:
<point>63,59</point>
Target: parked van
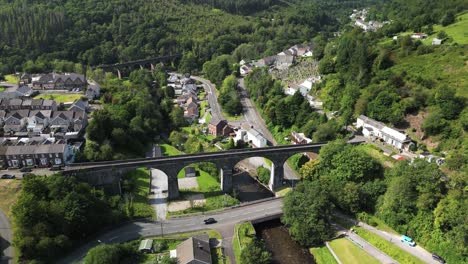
<point>408,240</point>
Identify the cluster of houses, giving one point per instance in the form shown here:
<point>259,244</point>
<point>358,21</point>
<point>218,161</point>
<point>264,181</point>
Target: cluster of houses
<point>71,82</point>
<point>54,81</point>
<point>359,17</point>
<point>37,151</point>
<point>304,88</point>
<point>280,61</point>
<point>185,89</point>
<point>245,133</point>
<point>39,133</point>
<point>196,249</point>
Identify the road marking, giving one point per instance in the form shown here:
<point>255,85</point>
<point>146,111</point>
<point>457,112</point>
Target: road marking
<point>112,238</point>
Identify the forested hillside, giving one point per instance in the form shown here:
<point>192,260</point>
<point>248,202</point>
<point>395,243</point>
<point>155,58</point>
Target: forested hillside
<point>101,32</point>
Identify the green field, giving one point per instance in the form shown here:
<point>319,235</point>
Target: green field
<point>244,233</point>
<point>60,98</point>
<point>140,200</point>
<point>388,247</point>
<point>349,253</point>
<point>10,78</point>
<point>458,31</point>
<point>322,255</point>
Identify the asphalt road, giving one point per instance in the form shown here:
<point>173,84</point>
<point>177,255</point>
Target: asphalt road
<point>255,119</point>
<point>6,239</point>
<point>212,97</point>
<point>135,230</point>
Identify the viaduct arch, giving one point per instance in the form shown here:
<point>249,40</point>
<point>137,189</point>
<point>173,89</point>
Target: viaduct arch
<point>118,67</point>
<point>108,172</point>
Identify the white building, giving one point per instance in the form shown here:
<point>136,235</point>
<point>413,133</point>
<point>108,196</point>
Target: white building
<point>251,136</point>
<point>374,129</point>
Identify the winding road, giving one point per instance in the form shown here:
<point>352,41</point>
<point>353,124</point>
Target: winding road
<point>6,239</point>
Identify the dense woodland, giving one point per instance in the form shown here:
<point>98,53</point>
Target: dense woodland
<point>105,32</point>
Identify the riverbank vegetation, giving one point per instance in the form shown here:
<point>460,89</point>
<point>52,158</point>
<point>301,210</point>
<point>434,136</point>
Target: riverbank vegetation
<point>416,199</point>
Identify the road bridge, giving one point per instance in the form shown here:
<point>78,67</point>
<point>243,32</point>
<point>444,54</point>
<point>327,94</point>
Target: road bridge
<point>99,173</point>
<point>118,67</point>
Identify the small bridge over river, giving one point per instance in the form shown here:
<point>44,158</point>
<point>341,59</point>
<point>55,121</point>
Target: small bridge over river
<point>109,172</point>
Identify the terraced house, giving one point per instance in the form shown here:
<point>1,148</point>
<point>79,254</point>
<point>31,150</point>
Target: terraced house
<point>55,81</point>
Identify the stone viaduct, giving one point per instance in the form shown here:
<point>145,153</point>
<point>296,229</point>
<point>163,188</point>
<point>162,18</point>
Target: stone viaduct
<point>131,64</point>
<point>108,172</point>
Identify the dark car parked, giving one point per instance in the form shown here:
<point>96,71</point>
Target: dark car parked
<point>209,221</point>
<point>8,176</point>
<point>438,258</point>
<point>25,169</point>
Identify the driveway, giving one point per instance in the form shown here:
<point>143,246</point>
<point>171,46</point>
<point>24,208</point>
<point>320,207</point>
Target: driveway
<point>159,199</point>
<point>6,239</point>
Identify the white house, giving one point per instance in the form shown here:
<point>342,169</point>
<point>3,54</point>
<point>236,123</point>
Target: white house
<point>252,136</point>
<point>374,129</point>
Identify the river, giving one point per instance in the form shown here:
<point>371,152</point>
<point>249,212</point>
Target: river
<point>247,189</point>
<point>284,250</point>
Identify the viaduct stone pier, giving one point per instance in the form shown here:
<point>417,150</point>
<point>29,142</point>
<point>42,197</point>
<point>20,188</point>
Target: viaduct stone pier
<point>109,172</point>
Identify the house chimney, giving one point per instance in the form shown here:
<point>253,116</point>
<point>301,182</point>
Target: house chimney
<point>199,245</point>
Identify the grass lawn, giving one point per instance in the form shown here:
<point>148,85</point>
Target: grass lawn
<point>208,118</point>
<point>60,98</point>
<point>322,255</point>
<point>388,247</point>
<point>349,253</point>
<point>377,154</point>
<point>203,105</point>
<point>232,118</point>
<point>244,233</point>
<point>283,191</point>
<point>140,201</point>
<point>9,191</point>
<point>2,88</point>
<point>10,78</point>
<point>209,186</point>
<point>168,150</point>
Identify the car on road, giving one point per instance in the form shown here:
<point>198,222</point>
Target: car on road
<point>8,176</point>
<point>408,240</point>
<point>438,258</point>
<point>25,169</point>
<point>209,221</point>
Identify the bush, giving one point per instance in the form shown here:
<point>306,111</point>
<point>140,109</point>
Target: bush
<point>263,175</point>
